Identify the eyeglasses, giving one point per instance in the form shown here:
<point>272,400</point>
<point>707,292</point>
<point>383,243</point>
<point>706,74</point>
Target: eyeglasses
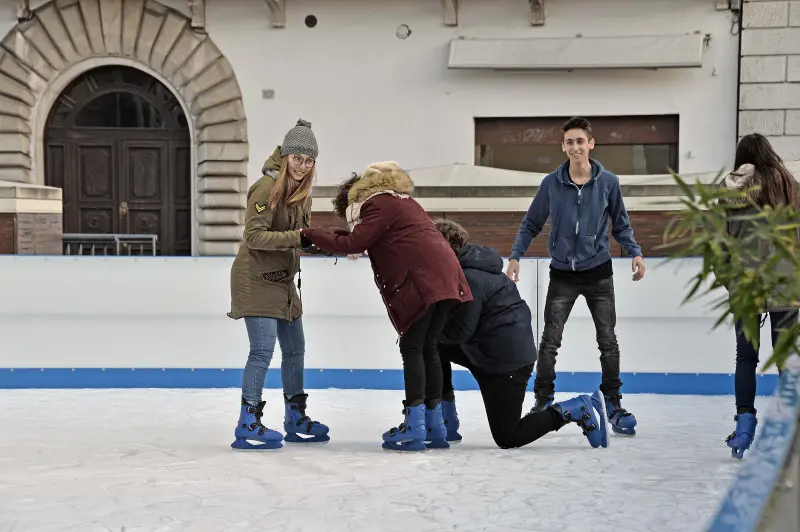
<point>300,160</point>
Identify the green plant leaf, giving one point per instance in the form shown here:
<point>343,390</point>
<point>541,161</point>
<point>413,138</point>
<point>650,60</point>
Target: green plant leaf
<point>700,229</point>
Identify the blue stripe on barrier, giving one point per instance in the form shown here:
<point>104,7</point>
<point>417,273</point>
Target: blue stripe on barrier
<point>370,379</point>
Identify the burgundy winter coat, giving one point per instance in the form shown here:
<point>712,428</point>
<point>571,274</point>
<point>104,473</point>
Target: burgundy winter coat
<point>413,265</point>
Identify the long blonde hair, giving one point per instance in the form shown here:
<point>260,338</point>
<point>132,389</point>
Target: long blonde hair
<point>282,191</point>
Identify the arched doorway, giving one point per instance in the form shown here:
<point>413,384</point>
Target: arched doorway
<point>117,143</point>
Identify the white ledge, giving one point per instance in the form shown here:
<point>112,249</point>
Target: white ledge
<point>463,175</point>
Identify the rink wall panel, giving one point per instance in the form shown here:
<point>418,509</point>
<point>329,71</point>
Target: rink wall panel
<point>161,322</point>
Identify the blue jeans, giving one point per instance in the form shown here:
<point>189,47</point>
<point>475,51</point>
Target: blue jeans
<point>263,332</point>
<point>747,357</point>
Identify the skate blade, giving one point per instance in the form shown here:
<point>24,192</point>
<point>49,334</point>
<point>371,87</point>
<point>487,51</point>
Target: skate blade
<point>249,447</point>
<point>628,433</point>
<point>456,438</point>
<point>411,447</point>
<point>437,446</point>
<point>296,439</point>
<point>737,453</point>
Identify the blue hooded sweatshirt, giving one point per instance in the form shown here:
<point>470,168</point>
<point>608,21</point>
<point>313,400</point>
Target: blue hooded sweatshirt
<point>579,219</point>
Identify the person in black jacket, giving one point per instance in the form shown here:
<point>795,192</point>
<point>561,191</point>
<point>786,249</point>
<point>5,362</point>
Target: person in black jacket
<point>492,337</point>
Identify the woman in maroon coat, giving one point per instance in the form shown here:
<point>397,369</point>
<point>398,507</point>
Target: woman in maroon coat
<point>419,278</point>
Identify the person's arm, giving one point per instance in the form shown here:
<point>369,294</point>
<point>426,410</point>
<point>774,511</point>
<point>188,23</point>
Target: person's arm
<point>464,319</point>
<point>534,219</point>
<point>372,225</point>
<point>305,223</point>
<point>258,223</point>
<point>621,228</point>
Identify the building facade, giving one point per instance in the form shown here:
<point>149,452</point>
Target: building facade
<point>153,117</point>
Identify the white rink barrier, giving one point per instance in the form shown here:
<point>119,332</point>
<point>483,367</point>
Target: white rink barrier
<point>70,322</point>
<point>764,495</point>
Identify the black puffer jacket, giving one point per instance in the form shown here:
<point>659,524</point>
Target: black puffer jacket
<point>494,329</point>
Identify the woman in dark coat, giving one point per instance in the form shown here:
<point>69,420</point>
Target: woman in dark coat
<point>760,173</point>
<point>492,337</point>
<point>418,277</point>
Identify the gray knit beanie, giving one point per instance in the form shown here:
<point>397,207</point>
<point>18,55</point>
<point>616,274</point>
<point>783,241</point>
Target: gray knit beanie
<point>301,140</point>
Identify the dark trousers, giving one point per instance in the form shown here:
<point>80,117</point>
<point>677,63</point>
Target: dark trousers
<point>561,296</point>
<point>747,358</point>
<point>503,395</point>
<point>422,370</point>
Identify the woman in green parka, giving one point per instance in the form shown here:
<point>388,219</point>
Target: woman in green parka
<point>264,294</point>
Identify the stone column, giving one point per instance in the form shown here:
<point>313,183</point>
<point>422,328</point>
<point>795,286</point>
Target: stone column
<point>769,99</point>
<point>30,219</point>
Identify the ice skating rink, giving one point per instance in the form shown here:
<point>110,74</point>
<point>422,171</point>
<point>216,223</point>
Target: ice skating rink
<point>159,460</point>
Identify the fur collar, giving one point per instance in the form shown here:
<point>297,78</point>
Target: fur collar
<point>742,178</point>
<point>395,182</point>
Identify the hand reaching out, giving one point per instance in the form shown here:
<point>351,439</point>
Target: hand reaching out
<point>513,270</point>
<point>637,267</point>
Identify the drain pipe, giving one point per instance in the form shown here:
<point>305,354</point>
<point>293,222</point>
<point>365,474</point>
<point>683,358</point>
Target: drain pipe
<point>736,29</point>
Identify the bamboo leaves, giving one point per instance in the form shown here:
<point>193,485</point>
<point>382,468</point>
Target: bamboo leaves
<point>733,266</point>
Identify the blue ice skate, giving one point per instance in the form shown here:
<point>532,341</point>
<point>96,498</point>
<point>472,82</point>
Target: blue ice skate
<point>742,437</point>
<point>542,403</point>
<point>296,422</point>
<point>589,414</point>
<point>411,434</point>
<point>621,421</point>
<point>249,427</point>
<point>436,430</point>
<point>451,421</point>
<point>599,404</point>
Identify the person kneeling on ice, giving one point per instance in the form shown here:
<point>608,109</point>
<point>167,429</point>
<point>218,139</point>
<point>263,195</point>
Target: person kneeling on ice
<point>419,279</point>
<point>492,337</point>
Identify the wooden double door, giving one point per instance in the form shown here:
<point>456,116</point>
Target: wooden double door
<point>122,158</point>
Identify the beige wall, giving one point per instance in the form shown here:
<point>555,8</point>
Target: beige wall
<point>370,95</point>
<point>770,93</point>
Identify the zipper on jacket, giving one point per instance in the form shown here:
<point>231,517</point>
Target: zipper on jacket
<point>578,220</point>
<point>295,258</point>
<point>577,224</point>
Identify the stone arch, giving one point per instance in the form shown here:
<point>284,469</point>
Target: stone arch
<point>65,38</point>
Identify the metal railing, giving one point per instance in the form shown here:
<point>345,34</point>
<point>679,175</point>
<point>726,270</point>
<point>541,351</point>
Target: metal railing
<point>109,244</point>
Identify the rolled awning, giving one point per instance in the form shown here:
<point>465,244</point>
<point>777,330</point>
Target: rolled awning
<point>655,51</point>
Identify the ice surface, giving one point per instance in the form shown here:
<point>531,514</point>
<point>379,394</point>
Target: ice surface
<point>159,460</point>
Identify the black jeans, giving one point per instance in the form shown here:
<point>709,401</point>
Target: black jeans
<point>503,395</point>
<point>561,296</point>
<point>747,358</point>
<point>422,371</point>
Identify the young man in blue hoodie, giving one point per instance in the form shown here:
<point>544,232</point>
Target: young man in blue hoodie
<point>580,198</point>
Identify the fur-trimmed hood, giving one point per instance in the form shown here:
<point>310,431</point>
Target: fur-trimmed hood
<point>379,178</point>
<point>743,178</point>
<point>373,182</point>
